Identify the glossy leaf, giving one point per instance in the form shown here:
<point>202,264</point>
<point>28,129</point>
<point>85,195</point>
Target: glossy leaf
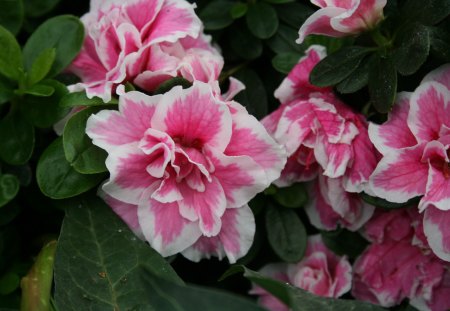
<point>379,202</point>
<point>294,196</point>
<point>16,139</point>
<point>9,187</point>
<point>244,44</point>
<point>40,90</point>
<point>11,15</point>
<point>294,14</point>
<point>216,15</point>
<point>80,99</point>
<point>382,84</point>
<point>238,10</point>
<point>169,84</point>
<point>284,41</point>
<point>358,79</point>
<point>344,242</point>
<point>10,55</point>
<point>284,62</point>
<point>41,66</point>
<point>254,97</point>
<point>262,20</point>
<point>36,8</point>
<point>428,12</point>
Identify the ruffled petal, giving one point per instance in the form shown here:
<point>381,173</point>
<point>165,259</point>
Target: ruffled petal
<point>436,225</point>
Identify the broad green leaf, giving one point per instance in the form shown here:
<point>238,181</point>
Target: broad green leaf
<point>85,157</point>
<point>216,15</point>
<point>357,79</point>
<point>284,62</point>
<point>16,139</point>
<point>40,90</point>
<point>284,41</point>
<point>286,233</point>
<point>244,44</point>
<point>169,84</point>
<point>41,66</point>
<point>440,43</point>
<point>11,15</point>
<point>382,84</point>
<point>330,43</point>
<point>43,112</point>
<point>262,20</point>
<point>412,49</point>
<point>337,66</point>
<point>9,282</point>
<point>6,90</point>
<point>36,8</point>
<point>80,99</point>
<point>293,196</point>
<point>298,299</point>
<point>344,242</point>
<point>9,187</point>
<point>10,55</point>
<point>254,97</point>
<point>238,10</point>
<point>65,33</point>
<point>37,284</point>
<point>428,12</point>
<point>56,177</point>
<point>379,202</point>
<point>99,262</point>
<point>294,14</point>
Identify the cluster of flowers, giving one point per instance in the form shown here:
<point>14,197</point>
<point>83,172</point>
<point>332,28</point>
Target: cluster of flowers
<point>184,164</point>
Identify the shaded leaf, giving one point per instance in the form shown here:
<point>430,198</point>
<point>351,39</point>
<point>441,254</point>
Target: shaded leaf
<point>244,44</point>
<point>36,8</point>
<point>80,99</point>
<point>262,20</point>
<point>294,196</point>
<point>10,55</point>
<point>379,202</point>
<point>238,10</point>
<point>41,66</point>
<point>9,187</point>
<point>16,139</point>
<point>382,84</point>
<point>284,41</point>
<point>428,12</point>
<point>294,14</point>
<point>11,15</point>
<point>284,62</point>
<point>254,97</point>
<point>40,90</point>
<point>216,15</point>
<point>169,84</point>
<point>358,79</point>
<point>344,242</point>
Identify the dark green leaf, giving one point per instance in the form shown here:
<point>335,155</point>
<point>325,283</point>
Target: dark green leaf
<point>99,262</point>
<point>254,97</point>
<point>294,14</point>
<point>85,157</point>
<point>286,233</point>
<point>244,44</point>
<point>284,41</point>
<point>413,48</point>
<point>6,90</point>
<point>9,187</point>
<point>293,196</point>
<point>57,179</point>
<point>331,44</point>
<point>11,15</point>
<point>357,79</point>
<point>64,33</point>
<point>279,1</point>
<point>344,242</point>
<point>428,12</point>
<point>285,62</point>
<point>382,84</point>
<point>36,8</point>
<point>440,43</point>
<point>80,99</point>
<point>216,15</point>
<point>169,84</point>
<point>262,20</point>
<point>8,213</point>
<point>9,282</point>
<point>379,202</point>
<point>337,66</point>
<point>10,55</point>
<point>44,112</point>
<point>41,66</point>
<point>16,139</point>
<point>238,10</point>
<point>40,90</point>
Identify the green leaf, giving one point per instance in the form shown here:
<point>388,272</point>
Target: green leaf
<point>382,84</point>
<point>428,12</point>
<point>11,15</point>
<point>16,139</point>
<point>284,62</point>
<point>41,66</point>
<point>9,187</point>
<point>99,262</point>
<point>56,177</point>
<point>286,233</point>
<point>379,202</point>
<point>37,284</point>
<point>216,15</point>
<point>413,48</point>
<point>298,299</point>
<point>262,20</point>
<point>171,83</point>
<point>6,90</point>
<point>85,157</point>
<point>337,66</point>
<point>65,33</point>
<point>357,79</point>
<point>43,112</point>
<point>9,282</point>
<point>294,14</point>
<point>36,8</point>
<point>8,213</point>
<point>440,43</point>
<point>238,10</point>
<point>344,242</point>
<point>294,196</point>
<point>40,90</point>
<point>279,1</point>
<point>254,97</point>
<point>284,41</point>
<point>80,99</point>
<point>10,55</point>
<point>331,44</point>
<point>244,44</point>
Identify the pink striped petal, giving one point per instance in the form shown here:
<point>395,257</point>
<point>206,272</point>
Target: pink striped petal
<point>429,110</point>
<point>400,175</point>
<point>109,129</point>
<point>364,14</point>
<point>436,225</point>
<point>437,190</point>
<point>168,191</point>
<point>334,158</point>
<point>142,12</point>
<point>320,23</point>
<point>235,87</point>
<point>441,75</point>
<point>301,166</point>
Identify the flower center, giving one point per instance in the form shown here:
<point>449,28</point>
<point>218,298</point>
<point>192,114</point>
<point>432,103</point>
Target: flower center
<point>188,143</point>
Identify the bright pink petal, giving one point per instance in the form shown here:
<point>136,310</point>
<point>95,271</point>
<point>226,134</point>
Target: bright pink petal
<point>400,175</point>
<point>142,12</point>
<point>437,190</point>
<point>441,75</point>
<point>334,158</point>
<point>364,14</point>
<point>320,23</point>
<point>301,166</point>
<point>436,224</point>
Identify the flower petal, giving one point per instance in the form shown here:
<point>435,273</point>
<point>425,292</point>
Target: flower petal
<point>436,225</point>
<point>437,190</point>
<point>441,75</point>
<point>320,23</point>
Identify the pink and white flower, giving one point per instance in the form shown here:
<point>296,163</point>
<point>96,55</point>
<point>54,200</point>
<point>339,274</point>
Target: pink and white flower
<point>148,41</point>
<point>339,18</point>
<point>415,143</point>
<point>184,159</point>
<point>320,272</point>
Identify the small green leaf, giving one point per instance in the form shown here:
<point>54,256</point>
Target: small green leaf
<point>382,84</point>
<point>427,12</point>
<point>330,43</point>
<point>294,14</point>
<point>440,43</point>
<point>284,41</point>
<point>9,187</point>
<point>85,157</point>
<point>216,15</point>
<point>244,44</point>
<point>11,15</point>
<point>41,66</point>
<point>344,242</point>
<point>254,97</point>
<point>10,55</point>
<point>357,79</point>
<point>286,234</point>
<point>294,196</point>
<point>379,202</point>
<point>413,48</point>
<point>37,8</point>
<point>80,99</point>
<point>6,90</point>
<point>262,20</point>
<point>16,139</point>
<point>238,10</point>
<point>337,66</point>
<point>65,33</point>
<point>56,177</point>
<point>284,62</point>
<point>40,90</point>
<point>166,86</point>
<point>9,282</point>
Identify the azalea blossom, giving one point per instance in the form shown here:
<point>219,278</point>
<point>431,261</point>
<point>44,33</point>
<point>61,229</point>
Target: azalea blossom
<point>184,163</point>
<point>415,143</point>
<point>144,42</point>
<point>320,272</point>
<point>337,18</point>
